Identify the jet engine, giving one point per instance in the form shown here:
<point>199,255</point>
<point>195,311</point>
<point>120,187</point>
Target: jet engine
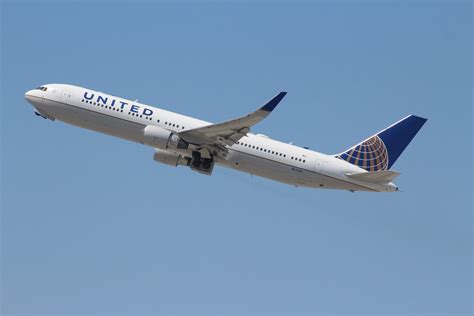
<point>158,137</point>
<point>169,158</point>
<point>170,149</point>
<point>173,159</point>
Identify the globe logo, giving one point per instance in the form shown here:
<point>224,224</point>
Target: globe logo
<point>370,155</point>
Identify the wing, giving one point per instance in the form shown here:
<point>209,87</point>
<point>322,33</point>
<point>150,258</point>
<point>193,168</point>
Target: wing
<point>229,132</point>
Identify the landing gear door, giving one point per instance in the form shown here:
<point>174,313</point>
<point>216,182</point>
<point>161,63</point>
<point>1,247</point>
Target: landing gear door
<point>65,96</point>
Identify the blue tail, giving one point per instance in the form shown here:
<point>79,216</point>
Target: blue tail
<point>380,151</point>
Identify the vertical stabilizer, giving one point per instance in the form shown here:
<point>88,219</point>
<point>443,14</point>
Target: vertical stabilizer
<point>379,152</point>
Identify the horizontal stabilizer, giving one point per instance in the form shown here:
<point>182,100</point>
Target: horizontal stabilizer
<point>384,176</point>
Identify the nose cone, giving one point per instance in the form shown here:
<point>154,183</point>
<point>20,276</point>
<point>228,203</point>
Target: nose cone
<point>35,96</point>
<point>30,96</point>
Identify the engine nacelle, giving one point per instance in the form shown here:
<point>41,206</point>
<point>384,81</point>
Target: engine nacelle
<point>159,137</point>
<point>169,158</point>
<point>171,150</point>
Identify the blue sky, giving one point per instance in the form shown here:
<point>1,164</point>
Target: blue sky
<point>91,225</point>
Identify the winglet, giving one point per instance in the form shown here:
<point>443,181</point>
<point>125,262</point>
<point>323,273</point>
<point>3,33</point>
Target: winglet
<point>270,105</point>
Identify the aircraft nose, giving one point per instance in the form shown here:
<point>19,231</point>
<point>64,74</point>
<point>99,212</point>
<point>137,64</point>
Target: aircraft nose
<point>29,95</point>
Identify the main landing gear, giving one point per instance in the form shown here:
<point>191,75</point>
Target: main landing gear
<point>201,164</point>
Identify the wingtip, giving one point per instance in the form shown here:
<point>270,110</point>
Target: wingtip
<point>271,105</point>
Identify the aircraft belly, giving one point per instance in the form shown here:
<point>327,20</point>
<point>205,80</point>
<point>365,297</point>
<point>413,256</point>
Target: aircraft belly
<point>95,121</point>
<point>285,173</point>
<point>264,168</point>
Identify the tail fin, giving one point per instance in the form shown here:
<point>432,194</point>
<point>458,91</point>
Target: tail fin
<point>380,151</point>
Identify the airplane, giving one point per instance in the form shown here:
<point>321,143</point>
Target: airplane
<point>180,140</point>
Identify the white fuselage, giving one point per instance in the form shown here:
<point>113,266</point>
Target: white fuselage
<point>254,154</point>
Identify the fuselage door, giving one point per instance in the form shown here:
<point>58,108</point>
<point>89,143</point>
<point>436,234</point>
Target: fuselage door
<point>318,165</point>
<point>65,96</point>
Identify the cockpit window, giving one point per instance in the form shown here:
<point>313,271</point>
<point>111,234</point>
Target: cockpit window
<point>42,88</point>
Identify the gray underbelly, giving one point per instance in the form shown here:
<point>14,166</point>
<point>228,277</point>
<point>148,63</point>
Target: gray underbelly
<point>95,121</point>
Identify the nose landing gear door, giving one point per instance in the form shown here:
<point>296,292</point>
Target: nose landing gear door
<point>65,96</point>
